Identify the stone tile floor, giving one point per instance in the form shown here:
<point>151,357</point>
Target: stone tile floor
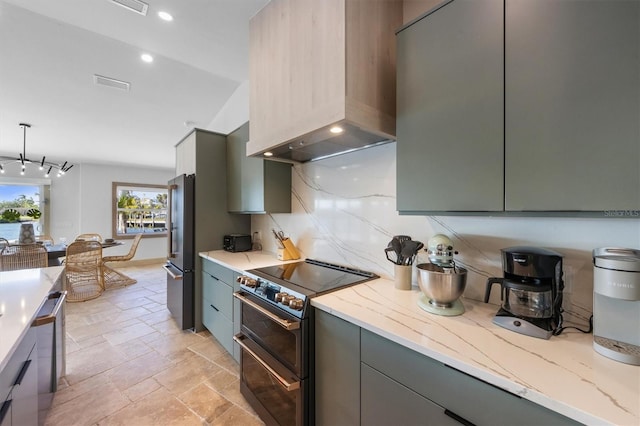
<point>129,364</point>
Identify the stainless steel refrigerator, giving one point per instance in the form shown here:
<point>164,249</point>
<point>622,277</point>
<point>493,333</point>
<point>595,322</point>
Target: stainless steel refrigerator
<point>180,265</point>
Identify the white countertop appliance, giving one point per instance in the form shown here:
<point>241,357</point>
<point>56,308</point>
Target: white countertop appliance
<point>531,291</point>
<point>616,303</point>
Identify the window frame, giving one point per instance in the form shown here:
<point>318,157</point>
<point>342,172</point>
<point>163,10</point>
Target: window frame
<point>137,187</point>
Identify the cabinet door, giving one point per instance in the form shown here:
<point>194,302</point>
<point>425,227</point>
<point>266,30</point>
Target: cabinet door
<point>255,185</point>
<point>572,112</point>
<point>337,387</point>
<point>450,110</point>
<point>386,402</point>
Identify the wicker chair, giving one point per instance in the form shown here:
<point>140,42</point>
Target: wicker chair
<point>89,237</point>
<point>25,256</point>
<point>4,243</point>
<point>83,271</point>
<point>114,278</point>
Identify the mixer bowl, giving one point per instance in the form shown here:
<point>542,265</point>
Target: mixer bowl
<point>441,287</point>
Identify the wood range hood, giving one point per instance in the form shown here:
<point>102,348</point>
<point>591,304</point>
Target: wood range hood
<point>316,64</point>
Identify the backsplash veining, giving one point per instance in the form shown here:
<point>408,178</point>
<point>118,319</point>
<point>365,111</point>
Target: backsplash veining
<point>344,211</point>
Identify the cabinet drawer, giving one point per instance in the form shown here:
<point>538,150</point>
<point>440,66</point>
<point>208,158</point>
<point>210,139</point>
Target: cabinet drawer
<point>464,395</point>
<point>220,326</point>
<point>218,293</point>
<point>10,373</point>
<point>218,271</point>
<point>387,402</point>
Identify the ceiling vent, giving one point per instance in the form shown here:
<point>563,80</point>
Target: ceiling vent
<point>111,82</point>
<point>133,5</point>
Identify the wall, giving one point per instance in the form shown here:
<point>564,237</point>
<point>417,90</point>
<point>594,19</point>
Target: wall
<point>234,113</point>
<point>81,202</point>
<point>344,211</point>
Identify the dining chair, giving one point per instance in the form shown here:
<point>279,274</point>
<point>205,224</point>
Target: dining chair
<point>4,243</point>
<point>89,237</point>
<point>23,256</point>
<point>83,271</point>
<point>113,277</point>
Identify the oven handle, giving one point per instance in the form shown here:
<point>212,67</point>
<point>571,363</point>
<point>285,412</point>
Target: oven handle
<point>286,324</point>
<point>285,384</point>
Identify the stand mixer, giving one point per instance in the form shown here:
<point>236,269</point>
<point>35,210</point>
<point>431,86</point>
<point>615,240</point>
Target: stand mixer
<point>441,281</point>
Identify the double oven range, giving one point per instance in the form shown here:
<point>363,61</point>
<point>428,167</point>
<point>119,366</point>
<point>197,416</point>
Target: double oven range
<point>276,336</point>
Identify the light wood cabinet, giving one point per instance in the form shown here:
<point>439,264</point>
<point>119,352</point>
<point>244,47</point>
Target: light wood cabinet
<point>255,185</point>
<point>314,63</point>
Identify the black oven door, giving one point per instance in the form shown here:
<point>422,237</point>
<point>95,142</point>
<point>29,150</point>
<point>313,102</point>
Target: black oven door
<point>274,392</point>
<point>282,335</point>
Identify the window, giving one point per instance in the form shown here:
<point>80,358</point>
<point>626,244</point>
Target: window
<point>139,208</point>
<point>23,201</point>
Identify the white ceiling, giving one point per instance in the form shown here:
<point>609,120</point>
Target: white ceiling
<point>50,50</point>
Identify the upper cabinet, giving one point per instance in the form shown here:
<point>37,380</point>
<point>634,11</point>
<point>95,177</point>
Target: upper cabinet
<point>572,111</point>
<point>318,63</point>
<point>450,109</point>
<point>518,106</point>
<point>255,185</point>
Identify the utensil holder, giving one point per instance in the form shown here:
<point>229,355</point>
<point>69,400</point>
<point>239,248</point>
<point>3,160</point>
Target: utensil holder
<point>402,277</point>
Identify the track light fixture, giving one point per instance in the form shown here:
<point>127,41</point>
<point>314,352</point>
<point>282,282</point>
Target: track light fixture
<point>24,161</point>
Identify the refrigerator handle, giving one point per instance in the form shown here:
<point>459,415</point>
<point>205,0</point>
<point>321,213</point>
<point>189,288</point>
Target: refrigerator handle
<point>170,253</point>
<point>170,271</point>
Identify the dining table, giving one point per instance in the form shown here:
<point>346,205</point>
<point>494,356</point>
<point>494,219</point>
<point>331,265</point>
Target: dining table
<point>56,251</point>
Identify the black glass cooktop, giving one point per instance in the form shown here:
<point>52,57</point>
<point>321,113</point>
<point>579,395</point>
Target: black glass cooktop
<point>315,276</point>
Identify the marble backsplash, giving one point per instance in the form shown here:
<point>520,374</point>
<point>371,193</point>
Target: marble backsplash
<point>344,211</point>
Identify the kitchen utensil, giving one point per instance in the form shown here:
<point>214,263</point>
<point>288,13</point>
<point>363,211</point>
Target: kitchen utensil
<point>531,291</point>
<point>410,250</point>
<point>441,287</point>
<point>389,251</point>
<point>278,238</point>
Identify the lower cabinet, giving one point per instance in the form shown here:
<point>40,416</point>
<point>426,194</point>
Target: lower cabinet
<point>220,311</point>
<point>19,385</point>
<point>386,402</point>
<point>363,378</point>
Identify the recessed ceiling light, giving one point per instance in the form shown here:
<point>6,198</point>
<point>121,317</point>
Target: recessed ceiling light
<point>165,16</point>
<point>268,154</point>
<point>146,58</point>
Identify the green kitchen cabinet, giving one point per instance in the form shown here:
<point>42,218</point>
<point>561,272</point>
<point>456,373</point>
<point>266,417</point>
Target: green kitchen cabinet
<point>450,110</point>
<point>364,378</point>
<point>520,107</point>
<point>204,154</point>
<point>442,390</point>
<point>572,112</point>
<point>337,371</point>
<point>255,185</point>
<point>217,302</point>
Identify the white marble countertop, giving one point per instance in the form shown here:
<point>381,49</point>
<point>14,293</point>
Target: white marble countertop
<point>22,293</point>
<point>563,374</point>
<point>243,261</point>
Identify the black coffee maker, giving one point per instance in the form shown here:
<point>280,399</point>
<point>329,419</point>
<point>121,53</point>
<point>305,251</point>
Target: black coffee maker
<point>531,291</point>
